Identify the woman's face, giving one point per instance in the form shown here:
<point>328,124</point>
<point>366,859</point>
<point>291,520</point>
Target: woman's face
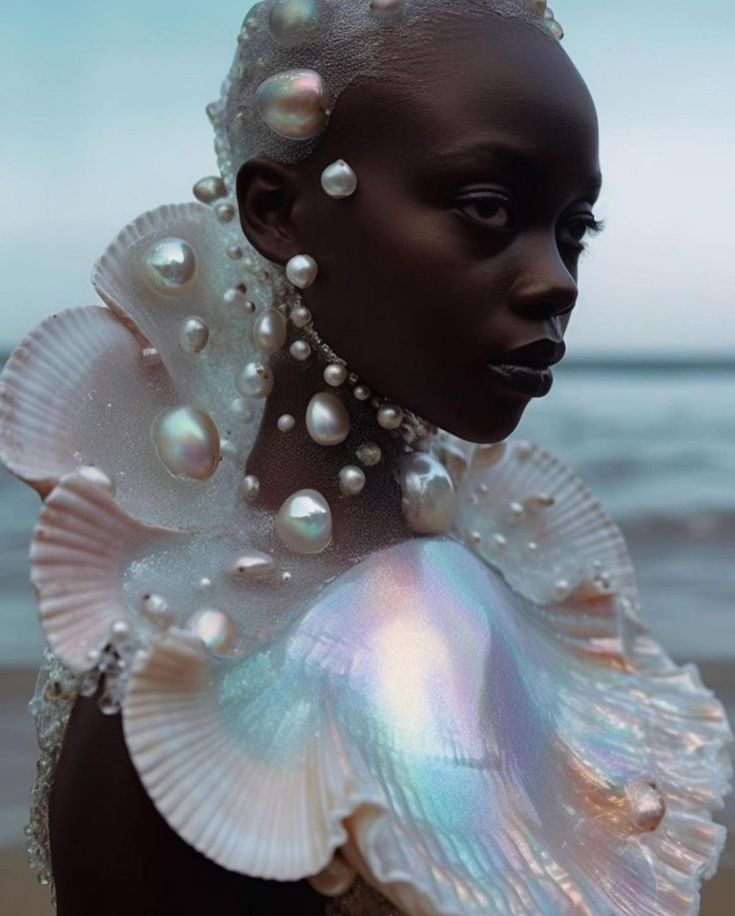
<point>477,161</point>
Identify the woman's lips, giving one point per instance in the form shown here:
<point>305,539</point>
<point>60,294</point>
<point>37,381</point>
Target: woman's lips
<point>530,380</point>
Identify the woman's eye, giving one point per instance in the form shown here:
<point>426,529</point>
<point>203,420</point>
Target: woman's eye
<point>581,226</point>
<point>492,210</point>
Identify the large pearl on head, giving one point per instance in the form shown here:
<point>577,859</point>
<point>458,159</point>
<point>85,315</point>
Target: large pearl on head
<point>327,420</point>
<point>304,522</point>
<point>255,381</point>
<point>269,331</point>
<point>171,265</point>
<point>428,494</point>
<point>193,335</point>
<point>301,270</point>
<point>292,21</point>
<point>216,630</point>
<point>339,180</point>
<point>294,104</point>
<point>187,442</point>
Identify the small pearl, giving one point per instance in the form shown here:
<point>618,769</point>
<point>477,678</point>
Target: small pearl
<point>171,265</point>
<point>327,420</point>
<point>269,331</point>
<point>339,180</point>
<point>361,392</point>
<point>351,480</point>
<point>151,357</point>
<point>155,609</point>
<point>234,252</point>
<point>187,442</point>
<point>209,189</point>
<point>286,423</point>
<point>204,584</point>
<point>390,417</point>
<point>300,350</point>
<point>335,374</point>
<point>120,633</point>
<point>301,270</point>
<point>500,540</point>
<point>216,630</point>
<point>562,589</point>
<point>97,477</point>
<point>286,577</point>
<point>369,454</point>
<point>515,512</point>
<point>647,805</point>
<point>225,213</point>
<point>235,297</point>
<point>250,488</point>
<point>475,537</point>
<point>294,104</point>
<point>300,316</point>
<point>255,565</point>
<point>532,546</point>
<point>227,448</point>
<point>249,307</point>
<point>242,409</point>
<point>255,381</point>
<point>193,335</point>
<point>304,522</point>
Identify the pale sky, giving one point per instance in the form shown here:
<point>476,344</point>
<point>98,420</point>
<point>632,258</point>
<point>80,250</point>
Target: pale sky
<point>103,117</point>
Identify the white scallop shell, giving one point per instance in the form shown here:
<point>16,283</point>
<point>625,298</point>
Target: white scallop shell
<point>77,553</point>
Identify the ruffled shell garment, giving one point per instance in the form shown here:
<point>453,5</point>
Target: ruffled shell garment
<point>478,722</point>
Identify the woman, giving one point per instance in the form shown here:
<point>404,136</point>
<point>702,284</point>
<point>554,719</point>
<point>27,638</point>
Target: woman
<point>370,657</point>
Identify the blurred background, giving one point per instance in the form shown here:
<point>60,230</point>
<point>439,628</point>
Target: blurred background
<point>103,117</point>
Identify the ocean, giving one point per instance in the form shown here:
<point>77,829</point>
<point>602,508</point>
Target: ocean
<point>657,445</point>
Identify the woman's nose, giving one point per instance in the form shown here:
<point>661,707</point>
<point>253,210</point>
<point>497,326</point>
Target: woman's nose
<point>545,288</point>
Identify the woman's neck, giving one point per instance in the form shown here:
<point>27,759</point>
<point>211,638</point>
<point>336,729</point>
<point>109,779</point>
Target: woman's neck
<point>285,462</point>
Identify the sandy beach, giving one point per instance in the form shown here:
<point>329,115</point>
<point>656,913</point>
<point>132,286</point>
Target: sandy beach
<point>20,894</point>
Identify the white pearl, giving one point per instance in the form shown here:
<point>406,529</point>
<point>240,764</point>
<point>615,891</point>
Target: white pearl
<point>98,477</point>
<point>236,298</point>
<point>327,420</point>
<point>335,374</point>
<point>339,180</point>
<point>301,270</point>
<point>361,392</point>
<point>209,189</point>
<point>369,454</point>
<point>300,316</point>
<point>255,381</point>
<point>171,265</point>
<point>300,350</point>
<point>216,630</point>
<point>120,633</point>
<point>187,442</point>
<point>390,416</point>
<point>242,409</point>
<point>250,488</point>
<point>255,565</point>
<point>351,480</point>
<point>234,252</point>
<point>647,805</point>
<point>294,104</point>
<point>193,335</point>
<point>515,512</point>
<point>292,21</point>
<point>304,522</point>
<point>204,584</point>
<point>286,423</point>
<point>500,540</point>
<point>225,213</point>
<point>428,494</point>
<point>269,331</point>
<point>155,609</point>
<point>562,589</point>
<point>537,502</point>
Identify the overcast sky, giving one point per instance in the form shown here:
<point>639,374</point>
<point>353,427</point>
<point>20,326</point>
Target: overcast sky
<point>102,109</point>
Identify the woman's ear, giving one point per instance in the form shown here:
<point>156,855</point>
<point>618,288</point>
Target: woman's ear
<point>265,197</point>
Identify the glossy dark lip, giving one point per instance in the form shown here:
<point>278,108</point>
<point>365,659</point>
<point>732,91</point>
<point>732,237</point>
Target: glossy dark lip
<point>540,354</point>
<point>533,381</point>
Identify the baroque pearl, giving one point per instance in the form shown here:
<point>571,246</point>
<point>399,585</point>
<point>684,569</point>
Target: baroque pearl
<point>193,335</point>
<point>327,420</point>
<point>155,609</point>
<point>209,189</point>
<point>250,488</point>
<point>294,104</point>
<point>255,381</point>
<point>304,522</point>
<point>339,180</point>
<point>369,454</point>
<point>351,480</point>
<point>216,630</point>
<point>171,265</point>
<point>300,350</point>
<point>187,442</point>
<point>98,477</point>
<point>286,423</point>
<point>647,805</point>
<point>428,494</point>
<point>335,375</point>
<point>255,565</point>
<point>292,21</point>
<point>301,270</point>
<point>269,331</point>
<point>390,416</point>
